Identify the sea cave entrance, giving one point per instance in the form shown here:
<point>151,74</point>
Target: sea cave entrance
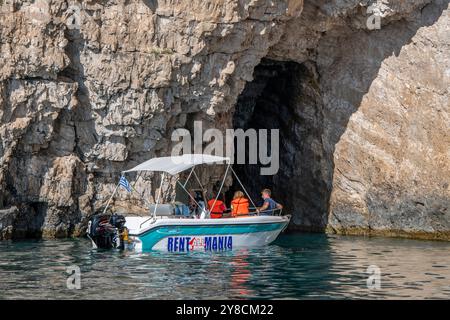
<point>286,96</point>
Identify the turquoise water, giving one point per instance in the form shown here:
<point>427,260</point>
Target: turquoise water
<point>300,266</point>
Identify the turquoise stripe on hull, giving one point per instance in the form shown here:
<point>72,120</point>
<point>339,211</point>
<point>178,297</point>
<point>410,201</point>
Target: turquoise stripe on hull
<point>153,236</point>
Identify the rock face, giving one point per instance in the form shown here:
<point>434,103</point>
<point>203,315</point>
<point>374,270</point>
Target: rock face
<point>90,88</point>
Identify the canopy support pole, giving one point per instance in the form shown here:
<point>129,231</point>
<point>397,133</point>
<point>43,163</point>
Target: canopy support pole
<point>221,186</point>
<point>110,198</point>
<point>159,194</point>
<point>142,197</point>
<point>137,178</point>
<point>200,183</point>
<point>189,176</point>
<point>243,188</point>
<point>156,203</point>
<point>188,193</point>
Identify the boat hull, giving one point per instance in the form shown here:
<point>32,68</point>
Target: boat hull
<point>186,235</point>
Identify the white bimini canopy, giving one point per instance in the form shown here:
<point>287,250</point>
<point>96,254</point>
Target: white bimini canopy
<point>176,164</point>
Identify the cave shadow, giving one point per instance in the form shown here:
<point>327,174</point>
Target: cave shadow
<point>288,96</point>
<point>29,221</point>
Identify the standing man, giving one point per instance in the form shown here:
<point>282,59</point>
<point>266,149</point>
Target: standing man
<point>269,205</point>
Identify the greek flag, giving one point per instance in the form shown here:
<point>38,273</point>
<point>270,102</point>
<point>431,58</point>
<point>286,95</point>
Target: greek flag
<point>124,183</point>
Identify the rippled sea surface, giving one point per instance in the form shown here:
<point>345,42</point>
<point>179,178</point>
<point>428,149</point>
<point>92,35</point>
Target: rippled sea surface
<point>300,266</point>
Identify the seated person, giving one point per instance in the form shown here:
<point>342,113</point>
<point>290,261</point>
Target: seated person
<point>192,202</point>
<point>218,209</point>
<point>196,203</point>
<point>269,205</point>
<point>239,205</point>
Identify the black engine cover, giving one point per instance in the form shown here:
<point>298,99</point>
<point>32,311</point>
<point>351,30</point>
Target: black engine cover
<point>105,231</point>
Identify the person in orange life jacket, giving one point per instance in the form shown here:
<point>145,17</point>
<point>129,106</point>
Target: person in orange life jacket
<point>219,207</point>
<point>269,205</point>
<point>239,205</point>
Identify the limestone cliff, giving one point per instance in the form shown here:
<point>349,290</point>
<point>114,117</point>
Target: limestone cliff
<point>90,88</point>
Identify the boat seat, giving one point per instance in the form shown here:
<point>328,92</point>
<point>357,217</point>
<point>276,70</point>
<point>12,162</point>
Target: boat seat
<point>165,209</point>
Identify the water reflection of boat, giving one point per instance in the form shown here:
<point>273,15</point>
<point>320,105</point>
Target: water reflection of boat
<point>174,228</point>
<point>241,275</point>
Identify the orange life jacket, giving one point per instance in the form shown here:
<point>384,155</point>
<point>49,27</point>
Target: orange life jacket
<point>219,208</point>
<point>239,207</point>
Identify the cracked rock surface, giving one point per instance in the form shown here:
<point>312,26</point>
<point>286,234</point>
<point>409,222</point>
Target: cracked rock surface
<point>91,88</point>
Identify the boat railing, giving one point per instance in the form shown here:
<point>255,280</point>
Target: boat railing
<point>275,212</point>
<point>252,212</point>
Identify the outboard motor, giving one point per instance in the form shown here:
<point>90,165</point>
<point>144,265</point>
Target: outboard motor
<point>108,231</point>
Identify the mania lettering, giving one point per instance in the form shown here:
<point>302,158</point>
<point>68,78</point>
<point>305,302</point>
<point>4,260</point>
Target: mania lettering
<point>209,243</point>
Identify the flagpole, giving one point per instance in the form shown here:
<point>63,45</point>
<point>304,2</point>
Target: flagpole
<point>110,198</point>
